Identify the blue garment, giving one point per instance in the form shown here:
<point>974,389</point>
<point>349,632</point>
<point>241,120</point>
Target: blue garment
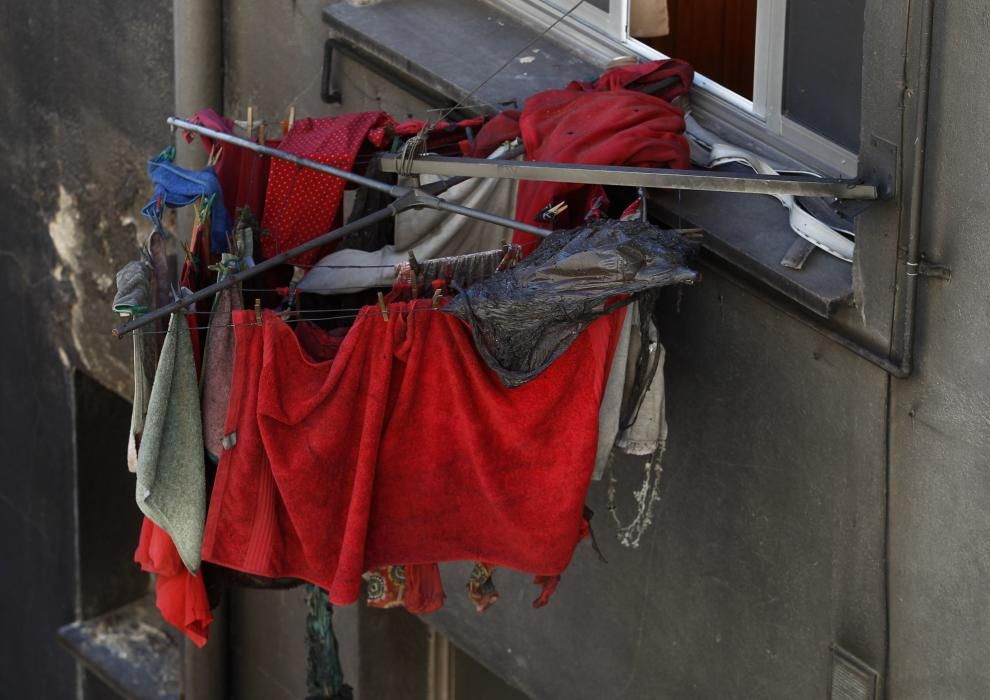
<point>180,187</point>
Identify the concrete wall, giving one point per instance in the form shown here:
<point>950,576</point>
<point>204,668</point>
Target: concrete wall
<point>83,90</point>
<point>940,420</point>
<point>773,534</point>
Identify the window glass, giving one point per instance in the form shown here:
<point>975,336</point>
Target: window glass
<point>823,67</point>
<point>717,37</point>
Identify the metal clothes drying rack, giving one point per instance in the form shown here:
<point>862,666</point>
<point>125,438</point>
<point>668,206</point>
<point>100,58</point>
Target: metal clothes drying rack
<point>461,169</point>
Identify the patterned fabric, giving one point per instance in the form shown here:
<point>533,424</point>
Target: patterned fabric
<point>416,587</point>
<point>481,586</point>
<point>301,204</point>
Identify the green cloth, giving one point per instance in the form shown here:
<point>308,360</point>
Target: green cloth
<point>171,481</point>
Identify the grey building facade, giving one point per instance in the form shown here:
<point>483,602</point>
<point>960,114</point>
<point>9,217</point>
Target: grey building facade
<point>826,486</point>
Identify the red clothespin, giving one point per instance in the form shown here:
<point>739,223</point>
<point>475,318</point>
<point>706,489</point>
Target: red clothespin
<point>257,312</point>
<point>382,307</point>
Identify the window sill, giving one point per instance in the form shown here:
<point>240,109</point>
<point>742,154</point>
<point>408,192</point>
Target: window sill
<point>397,39</point>
<point>131,649</point>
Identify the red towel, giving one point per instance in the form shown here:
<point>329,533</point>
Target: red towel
<point>301,204</point>
<point>404,448</point>
<point>181,597</point>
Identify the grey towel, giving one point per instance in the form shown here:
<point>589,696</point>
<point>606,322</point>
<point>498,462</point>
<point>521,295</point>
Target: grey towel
<point>133,298</point>
<point>218,367</point>
<point>171,487</point>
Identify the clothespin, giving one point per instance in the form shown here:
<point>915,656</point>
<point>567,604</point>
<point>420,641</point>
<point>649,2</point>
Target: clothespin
<point>642,204</point>
<point>287,124</point>
<point>261,135</point>
<point>215,150</point>
<point>382,307</point>
<point>437,295</point>
<point>257,312</point>
<point>551,211</point>
<point>250,122</point>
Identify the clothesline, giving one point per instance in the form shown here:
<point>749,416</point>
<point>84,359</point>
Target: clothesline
<point>369,310</point>
<point>406,198</point>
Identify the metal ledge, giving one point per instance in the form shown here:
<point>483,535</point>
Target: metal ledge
<point>131,649</point>
<point>697,180</point>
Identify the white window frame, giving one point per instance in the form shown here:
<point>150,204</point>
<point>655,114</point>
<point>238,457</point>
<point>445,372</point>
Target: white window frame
<point>605,35</point>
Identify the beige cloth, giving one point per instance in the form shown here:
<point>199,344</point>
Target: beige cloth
<point>648,19</point>
<point>430,234</point>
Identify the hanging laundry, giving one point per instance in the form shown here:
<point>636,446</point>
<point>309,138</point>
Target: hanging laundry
<point>416,587</point>
<point>175,186</point>
<point>320,482</point>
<point>458,272</point>
<point>301,204</point>
<point>171,487</point>
<point>179,595</point>
<point>218,367</point>
<point>243,174</point>
<point>367,201</point>
<point>598,123</point>
<point>609,413</point>
<point>427,232</point>
<point>481,586</point>
<point>525,318</point>
<point>134,298</point>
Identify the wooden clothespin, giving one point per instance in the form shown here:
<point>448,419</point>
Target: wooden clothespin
<point>257,312</point>
<point>287,124</point>
<point>250,122</point>
<point>437,295</point>
<point>261,135</point>
<point>382,307</point>
<point>215,150</point>
<point>551,211</point>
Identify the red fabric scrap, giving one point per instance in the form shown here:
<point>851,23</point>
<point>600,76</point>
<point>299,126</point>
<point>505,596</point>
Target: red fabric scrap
<point>300,203</point>
<point>406,447</point>
<point>180,596</point>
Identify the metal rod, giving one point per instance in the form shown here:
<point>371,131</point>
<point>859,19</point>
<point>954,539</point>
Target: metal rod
<point>704,180</point>
<point>231,280</point>
<point>393,190</point>
<point>906,365</point>
<point>409,198</point>
<point>396,191</point>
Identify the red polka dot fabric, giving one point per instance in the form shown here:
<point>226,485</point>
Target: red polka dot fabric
<point>301,204</point>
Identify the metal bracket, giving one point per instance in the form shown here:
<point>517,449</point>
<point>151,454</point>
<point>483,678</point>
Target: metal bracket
<point>329,79</point>
<point>923,268</point>
<point>879,166</point>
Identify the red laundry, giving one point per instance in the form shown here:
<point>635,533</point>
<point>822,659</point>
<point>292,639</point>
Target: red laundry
<point>405,448</point>
<point>180,596</point>
<point>599,123</point>
<point>243,174</point>
<point>300,203</point>
<point>644,76</point>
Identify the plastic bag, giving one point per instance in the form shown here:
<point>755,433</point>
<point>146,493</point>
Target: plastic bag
<point>526,317</point>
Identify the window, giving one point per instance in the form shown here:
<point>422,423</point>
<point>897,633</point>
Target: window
<point>787,73</point>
